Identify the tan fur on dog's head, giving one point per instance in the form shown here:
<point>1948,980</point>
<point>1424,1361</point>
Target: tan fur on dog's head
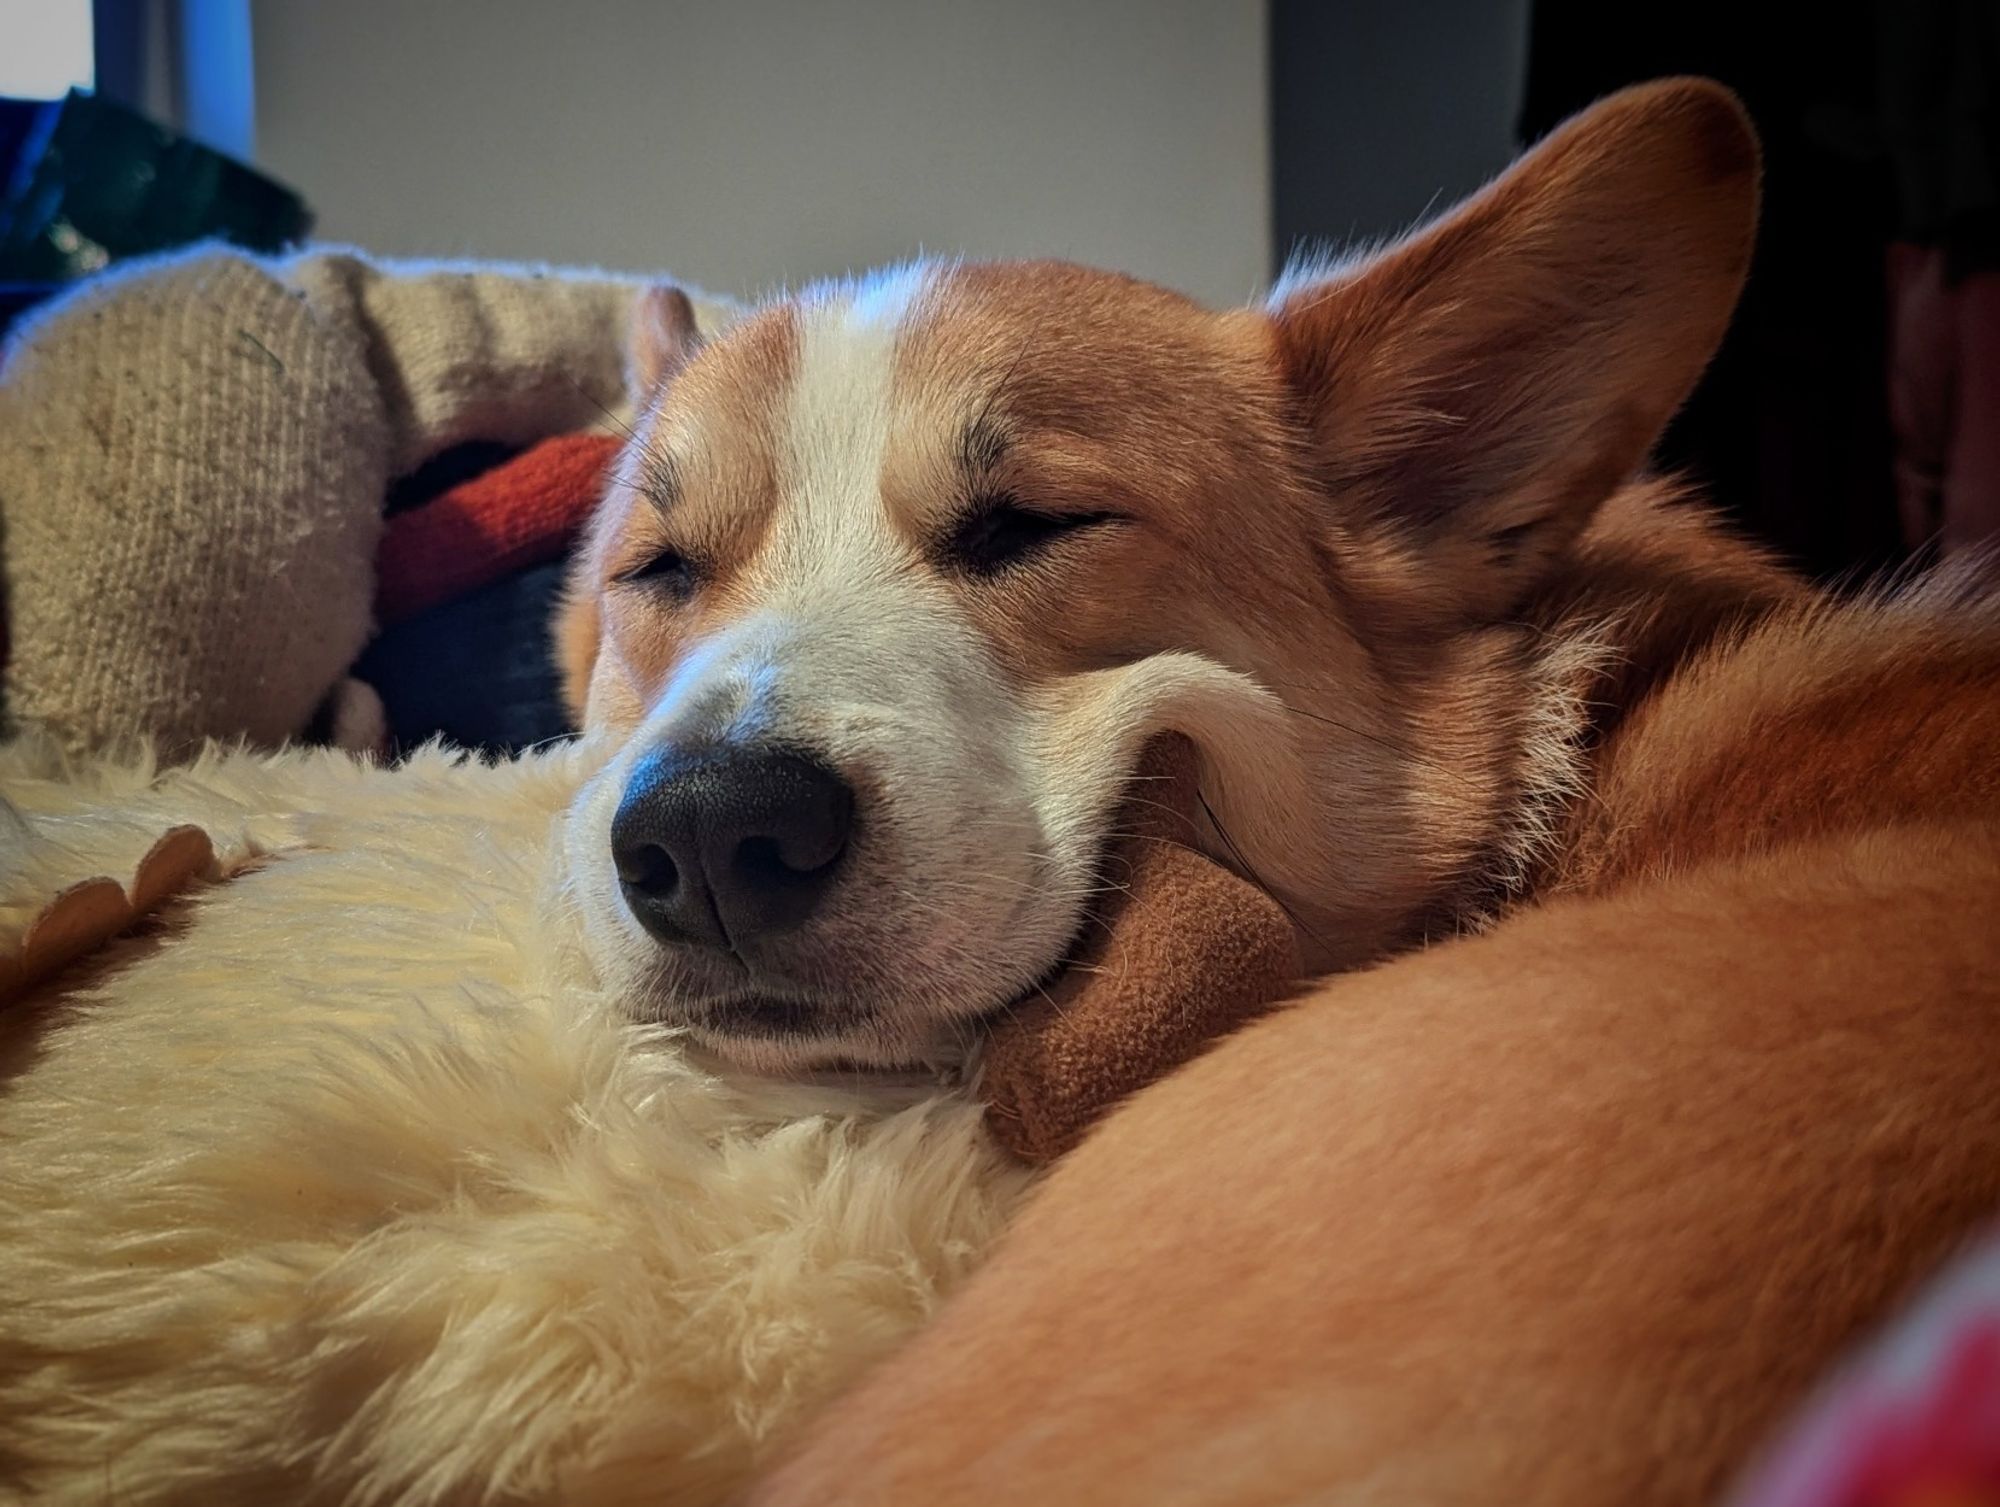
<point>971,534</point>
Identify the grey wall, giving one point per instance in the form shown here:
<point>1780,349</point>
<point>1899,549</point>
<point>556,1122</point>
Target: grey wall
<point>747,143</point>
<point>1383,108</point>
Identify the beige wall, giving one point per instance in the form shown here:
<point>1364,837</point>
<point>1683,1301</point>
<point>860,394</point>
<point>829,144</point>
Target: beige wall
<point>749,143</point>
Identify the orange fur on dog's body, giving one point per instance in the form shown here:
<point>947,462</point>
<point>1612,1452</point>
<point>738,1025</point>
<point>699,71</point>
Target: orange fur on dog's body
<point>1565,1211</point>
<point>1568,1213</point>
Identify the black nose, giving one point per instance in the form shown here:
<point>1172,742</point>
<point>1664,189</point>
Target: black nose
<point>719,846</point>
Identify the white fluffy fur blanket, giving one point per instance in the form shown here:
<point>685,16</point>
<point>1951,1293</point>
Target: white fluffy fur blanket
<point>346,1183</point>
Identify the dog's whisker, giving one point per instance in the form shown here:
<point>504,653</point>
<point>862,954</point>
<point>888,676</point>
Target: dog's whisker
<point>1244,864</point>
<point>599,404</point>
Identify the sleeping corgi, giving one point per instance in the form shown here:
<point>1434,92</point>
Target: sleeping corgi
<point>1684,1060</point>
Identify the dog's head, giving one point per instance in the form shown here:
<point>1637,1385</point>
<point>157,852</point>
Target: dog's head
<point>897,577</point>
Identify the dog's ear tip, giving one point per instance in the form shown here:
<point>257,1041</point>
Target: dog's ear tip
<point>665,332</point>
<point>1708,117</point>
<point>1725,134</point>
<point>1690,138</point>
<point>668,305</point>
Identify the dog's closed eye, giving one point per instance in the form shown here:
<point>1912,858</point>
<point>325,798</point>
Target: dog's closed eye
<point>1000,533</point>
<point>667,571</point>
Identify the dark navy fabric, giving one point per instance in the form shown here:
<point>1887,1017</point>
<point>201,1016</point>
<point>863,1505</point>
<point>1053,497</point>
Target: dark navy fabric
<point>476,670</point>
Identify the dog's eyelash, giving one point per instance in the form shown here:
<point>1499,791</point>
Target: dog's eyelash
<point>1000,533</point>
<point>667,570</point>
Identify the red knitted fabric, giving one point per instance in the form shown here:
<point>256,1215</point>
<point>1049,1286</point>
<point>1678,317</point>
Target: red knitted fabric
<point>522,512</point>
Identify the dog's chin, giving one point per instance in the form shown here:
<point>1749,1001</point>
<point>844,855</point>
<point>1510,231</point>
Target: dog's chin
<point>788,1037</point>
<point>787,1027</point>
<point>783,1053</point>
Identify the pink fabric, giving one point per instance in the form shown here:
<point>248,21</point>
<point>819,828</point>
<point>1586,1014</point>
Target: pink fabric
<point>1915,1420</point>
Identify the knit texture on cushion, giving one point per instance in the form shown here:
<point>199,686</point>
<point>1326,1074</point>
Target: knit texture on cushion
<point>191,461</point>
<point>194,453</point>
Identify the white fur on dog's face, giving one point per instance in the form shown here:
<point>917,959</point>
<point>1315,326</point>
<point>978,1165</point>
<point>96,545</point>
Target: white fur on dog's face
<point>847,650</point>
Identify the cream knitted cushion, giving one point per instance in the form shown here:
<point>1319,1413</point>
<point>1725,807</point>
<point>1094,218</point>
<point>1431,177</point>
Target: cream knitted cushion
<point>193,456</point>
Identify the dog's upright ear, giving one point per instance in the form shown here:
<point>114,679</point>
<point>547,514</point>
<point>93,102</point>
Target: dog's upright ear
<point>665,335</point>
<point>1475,391</point>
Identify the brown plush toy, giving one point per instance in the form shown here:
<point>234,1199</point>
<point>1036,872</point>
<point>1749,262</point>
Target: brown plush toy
<point>1182,953</point>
